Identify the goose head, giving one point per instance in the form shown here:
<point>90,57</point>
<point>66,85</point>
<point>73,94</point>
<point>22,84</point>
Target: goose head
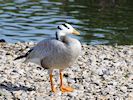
<point>65,29</point>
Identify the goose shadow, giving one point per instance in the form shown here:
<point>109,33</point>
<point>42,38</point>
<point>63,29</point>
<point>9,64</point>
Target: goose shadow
<point>11,87</point>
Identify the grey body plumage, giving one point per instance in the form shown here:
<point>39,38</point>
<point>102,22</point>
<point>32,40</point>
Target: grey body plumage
<point>52,53</point>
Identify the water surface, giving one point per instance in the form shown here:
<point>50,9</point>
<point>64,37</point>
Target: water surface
<point>99,21</point>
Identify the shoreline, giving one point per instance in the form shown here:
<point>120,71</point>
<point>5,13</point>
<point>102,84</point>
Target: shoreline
<point>101,72</point>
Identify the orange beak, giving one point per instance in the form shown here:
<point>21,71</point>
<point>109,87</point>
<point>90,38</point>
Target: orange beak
<point>75,32</point>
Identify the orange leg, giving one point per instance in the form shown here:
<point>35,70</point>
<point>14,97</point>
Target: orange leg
<point>51,81</point>
<point>62,87</point>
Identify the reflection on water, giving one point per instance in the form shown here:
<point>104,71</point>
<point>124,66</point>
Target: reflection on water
<point>99,21</point>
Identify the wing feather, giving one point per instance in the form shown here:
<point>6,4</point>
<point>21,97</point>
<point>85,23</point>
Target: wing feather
<point>46,48</point>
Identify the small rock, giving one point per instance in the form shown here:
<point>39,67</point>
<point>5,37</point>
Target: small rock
<point>2,40</point>
<point>123,88</point>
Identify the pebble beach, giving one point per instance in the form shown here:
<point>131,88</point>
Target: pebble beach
<point>102,72</point>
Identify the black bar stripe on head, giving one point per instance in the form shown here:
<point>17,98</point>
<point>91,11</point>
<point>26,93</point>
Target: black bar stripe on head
<point>65,26</point>
<point>59,28</point>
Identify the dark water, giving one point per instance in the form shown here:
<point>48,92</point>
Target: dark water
<point>99,21</point>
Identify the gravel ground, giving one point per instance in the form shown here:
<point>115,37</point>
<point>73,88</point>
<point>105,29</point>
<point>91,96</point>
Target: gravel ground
<point>101,73</point>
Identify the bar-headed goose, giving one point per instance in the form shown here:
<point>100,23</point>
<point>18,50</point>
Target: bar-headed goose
<point>56,53</point>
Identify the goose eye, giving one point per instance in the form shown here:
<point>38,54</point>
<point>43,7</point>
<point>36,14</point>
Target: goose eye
<point>59,28</point>
<point>65,26</point>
